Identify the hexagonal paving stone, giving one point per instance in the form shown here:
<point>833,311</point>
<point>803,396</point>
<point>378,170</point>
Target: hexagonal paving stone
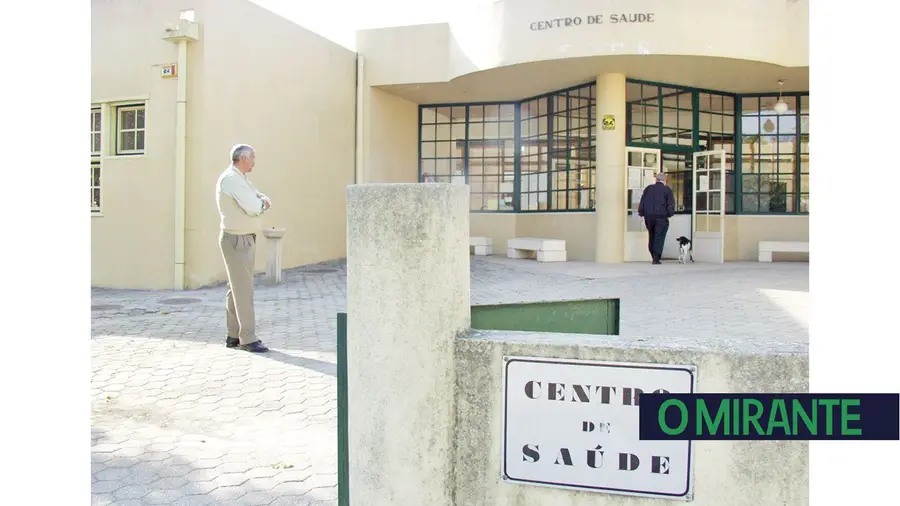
<point>227,495</point>
<point>111,473</point>
<point>102,499</point>
<point>163,496</point>
<point>262,472</point>
<point>195,500</point>
<point>233,467</point>
<point>293,488</point>
<point>104,487</point>
<point>166,471</point>
<point>168,483</point>
<point>290,501</point>
<point>257,498</point>
<point>131,492</point>
<point>230,479</point>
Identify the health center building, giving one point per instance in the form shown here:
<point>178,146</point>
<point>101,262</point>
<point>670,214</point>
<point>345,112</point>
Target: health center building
<point>556,114</point>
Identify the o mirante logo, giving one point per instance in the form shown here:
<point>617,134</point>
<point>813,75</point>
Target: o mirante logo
<point>770,416</point>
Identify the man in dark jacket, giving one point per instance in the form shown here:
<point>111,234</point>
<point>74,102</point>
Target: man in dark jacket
<point>656,207</point>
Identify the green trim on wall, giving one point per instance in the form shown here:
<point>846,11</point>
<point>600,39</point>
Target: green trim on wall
<point>590,316</point>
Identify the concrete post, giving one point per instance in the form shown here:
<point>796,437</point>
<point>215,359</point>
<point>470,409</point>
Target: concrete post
<point>408,298</point>
<point>611,171</point>
<point>273,254</point>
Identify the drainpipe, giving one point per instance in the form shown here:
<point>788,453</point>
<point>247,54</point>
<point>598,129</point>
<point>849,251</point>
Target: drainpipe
<point>360,117</point>
<point>180,163</point>
<point>182,33</point>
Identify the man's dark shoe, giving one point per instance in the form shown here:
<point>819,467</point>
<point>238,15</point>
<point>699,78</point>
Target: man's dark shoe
<point>255,347</point>
<point>231,342</point>
<point>657,262</point>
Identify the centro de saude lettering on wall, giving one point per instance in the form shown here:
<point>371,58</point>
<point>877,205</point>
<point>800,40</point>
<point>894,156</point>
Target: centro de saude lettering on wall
<point>593,19</point>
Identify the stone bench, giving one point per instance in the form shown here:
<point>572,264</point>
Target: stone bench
<point>481,246</point>
<point>766,248</point>
<point>543,250</point>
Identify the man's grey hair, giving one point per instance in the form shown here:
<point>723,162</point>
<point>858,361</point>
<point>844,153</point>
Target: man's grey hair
<point>661,177</point>
<point>240,150</point>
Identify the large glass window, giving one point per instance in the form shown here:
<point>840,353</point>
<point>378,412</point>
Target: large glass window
<point>659,115</point>
<point>477,144</point>
<point>643,113</point>
<point>804,154</point>
<point>492,156</point>
<point>572,167</point>
<point>663,117</point>
<point>677,117</point>
<point>540,154</point>
<point>770,156</point>
<point>535,154</point>
<point>443,141</point>
<point>716,132</point>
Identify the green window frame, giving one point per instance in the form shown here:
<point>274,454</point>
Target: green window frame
<point>539,154</point>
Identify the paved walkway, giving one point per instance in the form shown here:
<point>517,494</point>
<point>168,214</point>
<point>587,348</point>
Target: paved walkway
<point>179,419</point>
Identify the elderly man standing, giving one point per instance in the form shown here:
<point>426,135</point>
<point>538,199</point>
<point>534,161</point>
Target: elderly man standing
<point>656,207</point>
<point>240,207</point>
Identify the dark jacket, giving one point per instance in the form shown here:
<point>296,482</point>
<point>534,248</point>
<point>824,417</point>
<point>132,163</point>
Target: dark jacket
<point>657,202</point>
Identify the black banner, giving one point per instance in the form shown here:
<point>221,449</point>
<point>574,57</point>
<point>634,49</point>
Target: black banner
<point>698,417</point>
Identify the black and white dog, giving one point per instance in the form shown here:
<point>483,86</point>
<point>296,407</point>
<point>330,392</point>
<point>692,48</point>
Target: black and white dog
<point>684,250</point>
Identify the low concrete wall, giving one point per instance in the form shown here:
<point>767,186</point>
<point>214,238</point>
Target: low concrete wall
<point>729,473</point>
<point>425,393</point>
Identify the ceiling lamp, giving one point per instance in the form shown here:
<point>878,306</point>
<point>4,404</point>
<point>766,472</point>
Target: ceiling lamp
<point>781,106</point>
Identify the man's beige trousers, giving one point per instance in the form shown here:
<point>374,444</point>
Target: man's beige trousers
<point>239,253</point>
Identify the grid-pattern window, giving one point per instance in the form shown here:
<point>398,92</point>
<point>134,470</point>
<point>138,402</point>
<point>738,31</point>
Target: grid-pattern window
<point>643,113</point>
<point>769,158</point>
<point>95,186</point>
<point>96,124</point>
<point>804,154</point>
<point>131,128</point>
<point>677,117</point>
<point>491,156</point>
<point>478,145</point>
<point>659,115</point>
<point>443,141</point>
<point>716,132</point>
<point>535,154</point>
<point>572,154</point>
<point>95,131</point>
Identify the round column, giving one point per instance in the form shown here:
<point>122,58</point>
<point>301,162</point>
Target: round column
<point>610,193</point>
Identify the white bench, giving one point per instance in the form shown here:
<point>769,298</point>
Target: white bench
<point>766,248</point>
<point>543,250</point>
<point>481,246</point>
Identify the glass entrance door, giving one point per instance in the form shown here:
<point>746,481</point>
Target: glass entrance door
<point>642,166</point>
<point>708,208</point>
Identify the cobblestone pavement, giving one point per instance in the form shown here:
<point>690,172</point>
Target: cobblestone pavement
<point>179,419</point>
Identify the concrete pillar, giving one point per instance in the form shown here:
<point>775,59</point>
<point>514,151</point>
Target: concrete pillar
<point>611,172</point>
<point>408,298</point>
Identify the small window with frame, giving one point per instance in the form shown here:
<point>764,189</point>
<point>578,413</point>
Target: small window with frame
<point>95,186</point>
<point>130,129</point>
<point>96,123</point>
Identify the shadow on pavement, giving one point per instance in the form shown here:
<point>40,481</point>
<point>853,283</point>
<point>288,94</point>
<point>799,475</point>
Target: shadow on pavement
<point>312,364</point>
